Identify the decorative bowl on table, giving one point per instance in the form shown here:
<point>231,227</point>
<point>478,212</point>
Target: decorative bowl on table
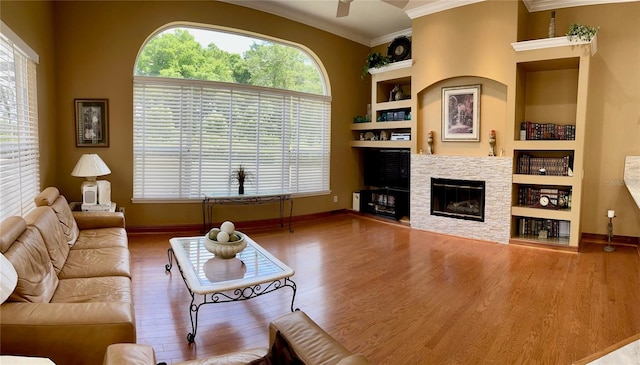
<point>225,250</point>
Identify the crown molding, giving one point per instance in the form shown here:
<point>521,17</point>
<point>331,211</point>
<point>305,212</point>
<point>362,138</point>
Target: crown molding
<point>438,6</point>
<point>542,5</point>
<point>390,37</point>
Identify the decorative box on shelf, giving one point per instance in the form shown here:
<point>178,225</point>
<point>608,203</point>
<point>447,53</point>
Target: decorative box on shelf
<point>400,136</point>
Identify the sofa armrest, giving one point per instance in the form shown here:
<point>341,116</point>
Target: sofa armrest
<point>130,354</point>
<point>67,333</point>
<point>95,220</point>
<point>310,342</point>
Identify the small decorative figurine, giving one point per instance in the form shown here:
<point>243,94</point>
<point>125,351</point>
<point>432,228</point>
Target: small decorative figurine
<point>492,142</point>
<point>396,93</point>
<point>430,143</point>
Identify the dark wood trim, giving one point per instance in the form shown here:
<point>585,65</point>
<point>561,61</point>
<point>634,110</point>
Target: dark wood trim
<point>616,239</point>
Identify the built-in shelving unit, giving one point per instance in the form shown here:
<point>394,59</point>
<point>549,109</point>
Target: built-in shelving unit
<point>391,118</point>
<point>552,77</point>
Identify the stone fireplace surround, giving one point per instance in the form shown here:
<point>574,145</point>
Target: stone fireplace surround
<point>495,171</point>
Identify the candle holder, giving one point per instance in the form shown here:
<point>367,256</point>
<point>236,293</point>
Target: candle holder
<point>492,143</point>
<point>608,247</point>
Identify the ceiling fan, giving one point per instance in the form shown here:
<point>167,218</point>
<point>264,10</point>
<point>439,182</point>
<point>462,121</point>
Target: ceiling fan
<point>343,6</point>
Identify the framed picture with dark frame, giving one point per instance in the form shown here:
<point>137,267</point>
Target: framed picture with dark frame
<point>92,122</point>
<point>461,113</point>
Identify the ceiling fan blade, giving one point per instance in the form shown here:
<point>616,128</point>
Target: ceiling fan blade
<point>343,9</point>
<point>397,3</point>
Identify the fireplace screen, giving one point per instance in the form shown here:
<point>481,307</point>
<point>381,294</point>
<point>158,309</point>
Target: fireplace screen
<point>462,199</point>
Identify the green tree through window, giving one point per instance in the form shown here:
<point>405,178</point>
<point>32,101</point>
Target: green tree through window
<point>204,106</point>
<point>177,54</point>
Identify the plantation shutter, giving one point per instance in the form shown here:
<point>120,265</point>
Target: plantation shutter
<point>19,149</point>
<point>189,136</point>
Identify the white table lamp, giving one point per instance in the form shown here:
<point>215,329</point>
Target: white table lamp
<point>8,279</point>
<point>90,166</point>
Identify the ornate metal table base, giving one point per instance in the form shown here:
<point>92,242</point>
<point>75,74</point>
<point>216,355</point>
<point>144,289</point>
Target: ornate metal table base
<point>227,296</point>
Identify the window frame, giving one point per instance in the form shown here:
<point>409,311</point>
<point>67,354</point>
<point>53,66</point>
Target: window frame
<point>325,159</point>
<point>20,165</point>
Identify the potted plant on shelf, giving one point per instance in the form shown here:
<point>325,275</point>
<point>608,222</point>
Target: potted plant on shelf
<point>240,175</point>
<point>579,32</point>
<point>374,60</point>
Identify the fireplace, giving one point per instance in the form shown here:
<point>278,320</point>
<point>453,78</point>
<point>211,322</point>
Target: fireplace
<point>461,199</point>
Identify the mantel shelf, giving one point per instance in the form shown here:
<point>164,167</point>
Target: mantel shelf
<point>391,66</point>
<point>553,42</point>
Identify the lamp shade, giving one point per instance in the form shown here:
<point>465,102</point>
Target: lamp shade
<point>8,278</point>
<point>90,165</point>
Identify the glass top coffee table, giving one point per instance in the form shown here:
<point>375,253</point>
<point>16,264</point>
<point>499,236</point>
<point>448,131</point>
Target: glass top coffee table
<point>209,279</point>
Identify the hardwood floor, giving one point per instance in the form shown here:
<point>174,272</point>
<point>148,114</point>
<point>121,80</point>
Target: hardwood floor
<point>403,296</point>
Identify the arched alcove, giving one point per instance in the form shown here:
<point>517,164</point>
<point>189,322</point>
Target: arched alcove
<point>493,116</point>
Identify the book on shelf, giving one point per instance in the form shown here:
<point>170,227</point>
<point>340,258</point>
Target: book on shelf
<point>554,166</point>
<point>548,131</point>
<point>531,227</point>
<point>529,196</point>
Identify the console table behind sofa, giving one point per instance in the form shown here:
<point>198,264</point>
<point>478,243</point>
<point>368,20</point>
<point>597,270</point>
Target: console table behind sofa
<point>210,200</point>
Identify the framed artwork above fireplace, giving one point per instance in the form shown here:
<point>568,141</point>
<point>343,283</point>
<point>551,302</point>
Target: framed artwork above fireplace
<point>461,113</point>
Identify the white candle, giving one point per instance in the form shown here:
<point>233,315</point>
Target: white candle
<point>611,213</point>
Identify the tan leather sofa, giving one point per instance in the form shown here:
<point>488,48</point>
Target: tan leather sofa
<point>73,297</point>
<point>302,336</point>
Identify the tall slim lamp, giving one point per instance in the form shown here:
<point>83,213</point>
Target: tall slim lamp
<point>90,166</point>
<point>610,214</point>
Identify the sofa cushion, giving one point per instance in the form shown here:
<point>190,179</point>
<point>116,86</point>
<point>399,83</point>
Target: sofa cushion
<point>103,237</point>
<point>309,341</point>
<point>46,197</point>
<point>234,358</point>
<point>37,280</point>
<point>280,353</point>
<point>11,229</point>
<point>106,261</point>
<point>125,353</point>
<point>65,217</point>
<point>45,220</point>
<point>51,197</point>
<point>93,290</point>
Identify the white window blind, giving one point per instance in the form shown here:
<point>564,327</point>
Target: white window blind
<point>19,150</point>
<point>190,135</point>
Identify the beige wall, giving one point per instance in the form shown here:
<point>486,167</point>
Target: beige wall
<point>613,114</point>
<point>33,21</point>
<point>96,44</point>
<point>471,44</point>
<point>96,48</point>
<point>464,46</point>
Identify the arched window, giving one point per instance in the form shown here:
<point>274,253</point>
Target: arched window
<point>207,102</point>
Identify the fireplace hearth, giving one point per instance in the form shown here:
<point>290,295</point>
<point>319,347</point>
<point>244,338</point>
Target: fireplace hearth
<point>461,199</point>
